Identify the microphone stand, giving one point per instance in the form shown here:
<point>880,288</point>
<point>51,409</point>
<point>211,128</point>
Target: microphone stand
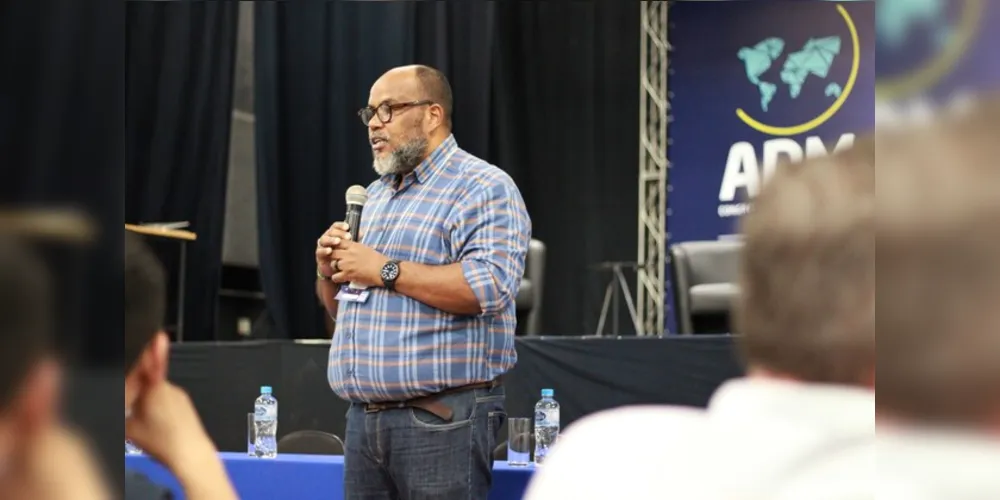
<point>617,287</point>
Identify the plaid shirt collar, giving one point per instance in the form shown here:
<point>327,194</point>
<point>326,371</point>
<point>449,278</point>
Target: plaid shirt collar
<point>427,168</point>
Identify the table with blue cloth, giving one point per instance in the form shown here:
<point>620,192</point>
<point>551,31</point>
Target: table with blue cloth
<point>306,477</point>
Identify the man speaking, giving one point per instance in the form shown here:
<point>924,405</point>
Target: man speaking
<point>419,354</point>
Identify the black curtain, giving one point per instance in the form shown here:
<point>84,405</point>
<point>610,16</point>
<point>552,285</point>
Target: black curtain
<point>547,91</point>
<point>60,147</point>
<point>62,126</point>
<point>179,75</point>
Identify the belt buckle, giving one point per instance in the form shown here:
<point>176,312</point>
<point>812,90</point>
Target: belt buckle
<point>377,407</point>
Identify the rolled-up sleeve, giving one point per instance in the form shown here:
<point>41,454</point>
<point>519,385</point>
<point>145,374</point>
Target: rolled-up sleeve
<point>492,233</point>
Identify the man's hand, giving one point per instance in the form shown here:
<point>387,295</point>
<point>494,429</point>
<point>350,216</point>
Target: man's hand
<point>324,248</point>
<point>350,261</point>
<point>359,264</point>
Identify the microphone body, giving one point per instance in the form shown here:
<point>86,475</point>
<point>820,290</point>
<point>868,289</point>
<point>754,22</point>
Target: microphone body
<point>356,198</point>
<point>353,219</point>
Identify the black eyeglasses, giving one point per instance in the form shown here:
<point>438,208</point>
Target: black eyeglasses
<point>384,111</point>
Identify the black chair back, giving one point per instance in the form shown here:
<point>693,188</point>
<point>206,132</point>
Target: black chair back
<point>706,277</point>
<point>311,443</point>
<point>529,296</point>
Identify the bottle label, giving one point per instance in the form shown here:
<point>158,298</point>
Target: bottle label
<point>546,417</point>
<point>266,412</point>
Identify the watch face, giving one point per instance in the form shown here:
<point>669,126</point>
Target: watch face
<point>390,271</point>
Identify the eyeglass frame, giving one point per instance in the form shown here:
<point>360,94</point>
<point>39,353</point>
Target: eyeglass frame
<point>392,109</point>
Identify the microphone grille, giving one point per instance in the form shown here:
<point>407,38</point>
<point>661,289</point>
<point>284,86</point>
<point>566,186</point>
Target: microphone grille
<point>356,195</point>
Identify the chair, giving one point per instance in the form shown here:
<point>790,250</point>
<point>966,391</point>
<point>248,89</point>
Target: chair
<point>706,276</point>
<point>529,296</point>
<point>311,443</point>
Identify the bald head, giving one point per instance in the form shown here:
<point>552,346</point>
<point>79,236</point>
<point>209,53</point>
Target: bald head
<point>429,83</point>
<point>434,85</point>
<point>408,115</point>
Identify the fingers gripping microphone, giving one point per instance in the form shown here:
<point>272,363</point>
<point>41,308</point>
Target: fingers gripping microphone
<point>356,198</point>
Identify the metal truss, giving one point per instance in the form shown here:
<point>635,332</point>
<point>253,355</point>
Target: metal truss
<point>654,108</point>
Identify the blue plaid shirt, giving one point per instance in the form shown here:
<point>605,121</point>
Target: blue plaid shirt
<point>454,207</point>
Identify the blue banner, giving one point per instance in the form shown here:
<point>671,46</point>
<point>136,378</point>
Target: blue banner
<point>935,52</point>
<point>755,84</point>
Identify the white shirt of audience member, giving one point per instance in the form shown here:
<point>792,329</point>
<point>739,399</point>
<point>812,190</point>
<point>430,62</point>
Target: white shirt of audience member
<point>759,439</point>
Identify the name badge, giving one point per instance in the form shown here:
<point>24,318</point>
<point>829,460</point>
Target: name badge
<point>349,293</point>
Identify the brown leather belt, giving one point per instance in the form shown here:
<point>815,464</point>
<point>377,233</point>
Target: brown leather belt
<point>432,403</point>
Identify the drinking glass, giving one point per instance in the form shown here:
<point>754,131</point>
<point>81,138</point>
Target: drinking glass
<point>519,442</point>
<point>251,435</point>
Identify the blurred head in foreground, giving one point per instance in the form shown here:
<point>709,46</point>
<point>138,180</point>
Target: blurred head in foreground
<point>164,422</point>
<point>938,308</point>
<point>29,374</point>
<point>807,307</point>
<point>39,457</point>
<point>146,345</point>
<point>809,310</point>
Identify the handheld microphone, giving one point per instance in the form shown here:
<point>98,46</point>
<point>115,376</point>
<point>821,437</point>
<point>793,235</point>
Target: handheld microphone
<point>356,198</point>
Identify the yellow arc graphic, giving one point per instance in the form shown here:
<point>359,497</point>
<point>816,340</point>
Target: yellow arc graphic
<point>833,109</point>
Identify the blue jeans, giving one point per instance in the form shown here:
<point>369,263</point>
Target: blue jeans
<point>411,454</point>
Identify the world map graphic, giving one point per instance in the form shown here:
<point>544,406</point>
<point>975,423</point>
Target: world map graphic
<point>814,60</point>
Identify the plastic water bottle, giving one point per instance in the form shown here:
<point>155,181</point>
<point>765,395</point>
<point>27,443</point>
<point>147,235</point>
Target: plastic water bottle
<point>265,422</point>
<point>132,449</point>
<point>546,425</point>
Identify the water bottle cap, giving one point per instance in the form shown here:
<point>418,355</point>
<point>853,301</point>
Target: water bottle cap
<point>547,393</point>
<point>265,389</point>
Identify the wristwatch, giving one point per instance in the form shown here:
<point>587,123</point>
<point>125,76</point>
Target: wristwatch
<point>389,274</point>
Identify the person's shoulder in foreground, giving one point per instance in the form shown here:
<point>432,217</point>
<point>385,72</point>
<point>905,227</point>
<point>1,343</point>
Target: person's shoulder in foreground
<point>934,465</point>
<point>732,450</point>
<point>139,487</point>
<point>587,462</point>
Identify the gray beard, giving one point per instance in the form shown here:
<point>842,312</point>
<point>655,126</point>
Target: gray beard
<point>403,160</point>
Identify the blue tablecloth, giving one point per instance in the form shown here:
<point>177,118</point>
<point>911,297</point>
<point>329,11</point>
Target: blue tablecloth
<point>307,477</point>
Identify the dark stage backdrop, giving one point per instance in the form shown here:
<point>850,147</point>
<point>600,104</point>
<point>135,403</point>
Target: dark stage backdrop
<point>60,146</point>
<point>548,91</point>
<point>588,375</point>
<point>61,141</point>
<point>179,100</point>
